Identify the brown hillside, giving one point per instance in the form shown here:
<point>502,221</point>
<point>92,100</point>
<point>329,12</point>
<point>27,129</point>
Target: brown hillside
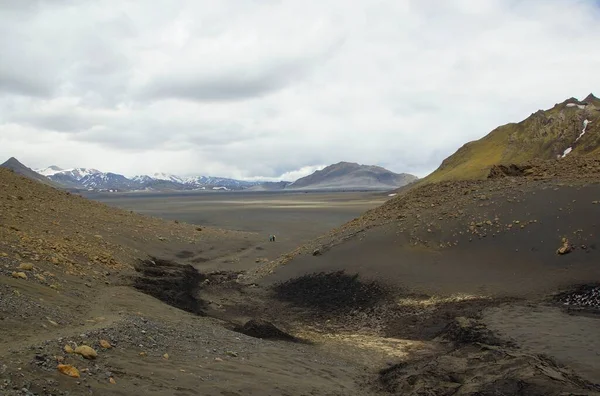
<point>544,135</point>
<point>40,223</point>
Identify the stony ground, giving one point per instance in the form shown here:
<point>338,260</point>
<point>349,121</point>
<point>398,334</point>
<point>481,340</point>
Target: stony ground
<point>93,300</point>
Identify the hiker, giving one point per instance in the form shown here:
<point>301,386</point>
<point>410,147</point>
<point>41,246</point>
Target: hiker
<point>271,238</point>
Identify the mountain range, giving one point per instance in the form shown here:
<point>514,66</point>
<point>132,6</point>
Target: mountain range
<point>343,175</point>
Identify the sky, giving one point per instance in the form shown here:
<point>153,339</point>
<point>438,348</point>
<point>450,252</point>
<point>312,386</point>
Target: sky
<point>275,89</point>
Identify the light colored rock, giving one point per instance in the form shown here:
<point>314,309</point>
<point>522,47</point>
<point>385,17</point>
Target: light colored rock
<point>26,266</point>
<point>105,344</point>
<point>68,349</point>
<point>86,351</point>
<point>19,275</point>
<point>69,370</point>
<point>166,356</point>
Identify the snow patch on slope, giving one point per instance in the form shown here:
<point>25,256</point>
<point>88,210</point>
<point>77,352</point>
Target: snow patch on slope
<point>585,124</point>
<point>569,149</point>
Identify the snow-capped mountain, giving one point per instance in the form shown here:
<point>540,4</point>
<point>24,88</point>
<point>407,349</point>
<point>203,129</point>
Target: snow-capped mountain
<point>161,176</point>
<point>95,180</point>
<point>87,178</point>
<point>49,171</point>
<point>210,181</point>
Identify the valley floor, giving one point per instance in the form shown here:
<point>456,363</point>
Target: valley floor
<point>415,320</point>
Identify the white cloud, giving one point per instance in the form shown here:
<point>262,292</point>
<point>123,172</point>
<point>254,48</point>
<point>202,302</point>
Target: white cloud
<point>275,89</point>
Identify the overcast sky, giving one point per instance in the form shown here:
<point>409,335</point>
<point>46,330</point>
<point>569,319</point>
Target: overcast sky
<point>271,89</point>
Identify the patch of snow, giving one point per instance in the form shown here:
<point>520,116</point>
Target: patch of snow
<point>392,195</point>
<point>567,151</point>
<point>220,188</point>
<point>585,124</point>
<point>571,104</point>
<point>579,106</point>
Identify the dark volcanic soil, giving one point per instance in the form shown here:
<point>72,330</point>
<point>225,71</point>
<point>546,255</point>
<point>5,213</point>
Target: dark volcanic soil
<point>175,284</point>
<point>327,293</point>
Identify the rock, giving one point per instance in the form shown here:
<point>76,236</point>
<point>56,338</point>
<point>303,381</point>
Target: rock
<point>105,344</point>
<point>565,248</point>
<point>143,354</point>
<point>86,351</point>
<point>69,370</point>
<point>217,359</point>
<point>68,349</point>
<point>26,266</point>
<point>19,275</point>
<point>232,354</point>
<point>41,278</point>
<point>112,380</point>
<point>166,356</point>
<point>316,252</point>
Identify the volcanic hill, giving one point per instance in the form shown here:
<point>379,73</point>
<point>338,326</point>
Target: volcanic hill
<point>570,128</point>
<point>348,175</point>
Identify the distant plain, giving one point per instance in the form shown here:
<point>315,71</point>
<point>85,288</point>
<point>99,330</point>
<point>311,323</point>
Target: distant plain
<point>293,217</point>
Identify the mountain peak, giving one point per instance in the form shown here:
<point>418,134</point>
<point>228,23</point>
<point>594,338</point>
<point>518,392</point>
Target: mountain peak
<point>12,161</point>
<point>350,175</point>
<point>592,99</point>
<point>16,166</point>
<point>568,128</point>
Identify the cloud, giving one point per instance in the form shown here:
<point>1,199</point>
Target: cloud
<point>275,89</point>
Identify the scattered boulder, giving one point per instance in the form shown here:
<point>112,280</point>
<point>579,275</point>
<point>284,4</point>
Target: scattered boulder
<point>86,351</point>
<point>166,356</point>
<point>316,252</point>
<point>26,266</point>
<point>112,380</point>
<point>19,275</point>
<point>68,349</point>
<point>105,344</point>
<point>69,370</point>
<point>565,248</point>
<point>512,170</point>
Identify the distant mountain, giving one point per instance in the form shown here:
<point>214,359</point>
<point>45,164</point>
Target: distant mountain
<point>211,182</point>
<point>270,186</point>
<point>17,167</point>
<point>344,175</point>
<point>570,128</point>
<point>95,180</point>
<point>348,175</point>
<point>88,179</point>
